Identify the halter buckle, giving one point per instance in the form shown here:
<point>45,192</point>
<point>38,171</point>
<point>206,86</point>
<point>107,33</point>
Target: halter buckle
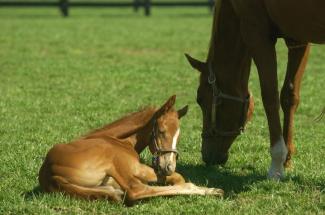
<point>211,79</point>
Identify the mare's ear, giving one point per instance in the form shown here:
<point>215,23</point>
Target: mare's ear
<point>167,106</point>
<point>250,107</point>
<point>182,112</point>
<point>196,64</point>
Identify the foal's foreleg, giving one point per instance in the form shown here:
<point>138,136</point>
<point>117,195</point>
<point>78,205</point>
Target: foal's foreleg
<point>148,175</point>
<point>290,93</point>
<point>175,179</point>
<point>142,191</point>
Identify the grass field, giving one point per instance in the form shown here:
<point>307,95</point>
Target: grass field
<point>60,78</point>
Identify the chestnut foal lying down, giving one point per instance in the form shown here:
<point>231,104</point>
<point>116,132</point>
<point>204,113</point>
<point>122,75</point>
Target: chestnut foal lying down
<point>105,163</point>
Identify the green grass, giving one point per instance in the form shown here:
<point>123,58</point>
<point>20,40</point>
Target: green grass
<point>59,78</point>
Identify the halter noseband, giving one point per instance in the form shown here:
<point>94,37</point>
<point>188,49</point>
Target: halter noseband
<point>158,149</point>
<point>216,95</point>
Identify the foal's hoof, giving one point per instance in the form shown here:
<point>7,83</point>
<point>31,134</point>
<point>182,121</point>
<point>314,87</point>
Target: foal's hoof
<point>118,197</point>
<point>214,191</point>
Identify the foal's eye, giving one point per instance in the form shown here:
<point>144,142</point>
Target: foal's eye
<point>162,130</point>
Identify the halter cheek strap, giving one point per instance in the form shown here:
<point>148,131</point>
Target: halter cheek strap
<point>217,95</point>
<point>158,149</point>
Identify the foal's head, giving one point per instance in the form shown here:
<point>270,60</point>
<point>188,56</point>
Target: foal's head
<point>164,137</point>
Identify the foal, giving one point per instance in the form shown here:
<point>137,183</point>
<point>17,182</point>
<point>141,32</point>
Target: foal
<point>105,163</point>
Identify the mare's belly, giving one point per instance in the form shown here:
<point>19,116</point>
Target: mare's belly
<point>300,20</point>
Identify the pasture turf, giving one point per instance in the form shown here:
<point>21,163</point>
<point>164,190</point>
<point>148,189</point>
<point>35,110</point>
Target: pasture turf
<point>61,77</point>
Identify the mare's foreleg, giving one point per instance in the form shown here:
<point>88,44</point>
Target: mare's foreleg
<point>262,48</point>
<point>290,93</point>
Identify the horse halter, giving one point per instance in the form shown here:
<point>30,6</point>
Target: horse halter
<point>158,149</point>
<point>217,95</point>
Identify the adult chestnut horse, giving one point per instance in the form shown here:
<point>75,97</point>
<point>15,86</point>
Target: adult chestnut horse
<point>105,163</point>
<point>245,30</point>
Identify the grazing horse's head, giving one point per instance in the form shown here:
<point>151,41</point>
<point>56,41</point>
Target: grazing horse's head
<point>164,137</point>
<point>224,113</point>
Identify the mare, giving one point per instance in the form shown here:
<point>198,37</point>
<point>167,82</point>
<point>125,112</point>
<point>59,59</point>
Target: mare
<point>244,30</point>
<point>105,163</point>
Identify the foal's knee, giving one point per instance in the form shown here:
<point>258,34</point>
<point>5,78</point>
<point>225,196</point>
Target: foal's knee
<point>134,191</point>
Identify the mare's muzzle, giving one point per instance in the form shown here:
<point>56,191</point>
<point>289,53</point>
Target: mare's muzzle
<point>212,156</point>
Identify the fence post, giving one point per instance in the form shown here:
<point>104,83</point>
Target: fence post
<point>136,4</point>
<point>211,4</point>
<point>64,7</point>
<point>147,7</point>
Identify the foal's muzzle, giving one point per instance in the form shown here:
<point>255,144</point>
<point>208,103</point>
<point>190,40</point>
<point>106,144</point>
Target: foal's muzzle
<point>165,164</point>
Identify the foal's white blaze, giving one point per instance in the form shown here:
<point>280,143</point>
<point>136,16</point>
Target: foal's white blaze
<point>278,153</point>
<point>175,138</point>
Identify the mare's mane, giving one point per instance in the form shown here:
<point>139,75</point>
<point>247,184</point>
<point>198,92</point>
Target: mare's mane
<point>214,32</point>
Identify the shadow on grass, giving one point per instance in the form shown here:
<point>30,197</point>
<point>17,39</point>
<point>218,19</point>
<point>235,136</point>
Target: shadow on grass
<point>34,193</point>
<point>233,181</point>
<point>221,177</point>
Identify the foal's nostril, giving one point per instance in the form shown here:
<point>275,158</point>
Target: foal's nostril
<point>169,168</point>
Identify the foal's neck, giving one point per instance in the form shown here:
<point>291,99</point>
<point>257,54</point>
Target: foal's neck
<point>133,128</point>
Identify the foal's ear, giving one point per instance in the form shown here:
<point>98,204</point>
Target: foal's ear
<point>196,64</point>
<point>182,112</point>
<point>167,106</point>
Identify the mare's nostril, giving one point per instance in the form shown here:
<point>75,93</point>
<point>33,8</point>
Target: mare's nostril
<point>222,159</point>
<point>214,158</point>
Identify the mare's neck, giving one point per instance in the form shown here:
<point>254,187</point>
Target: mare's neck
<point>228,55</point>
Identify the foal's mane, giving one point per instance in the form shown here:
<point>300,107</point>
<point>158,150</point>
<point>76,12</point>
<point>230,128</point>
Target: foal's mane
<point>135,121</point>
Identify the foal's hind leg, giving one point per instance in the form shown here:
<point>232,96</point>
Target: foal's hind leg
<point>290,93</point>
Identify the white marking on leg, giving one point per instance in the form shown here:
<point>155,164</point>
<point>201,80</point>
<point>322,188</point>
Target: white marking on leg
<point>278,153</point>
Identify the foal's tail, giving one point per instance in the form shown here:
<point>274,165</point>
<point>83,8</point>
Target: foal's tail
<point>99,192</point>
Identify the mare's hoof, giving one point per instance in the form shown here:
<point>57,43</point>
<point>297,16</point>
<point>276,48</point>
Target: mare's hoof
<point>276,175</point>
